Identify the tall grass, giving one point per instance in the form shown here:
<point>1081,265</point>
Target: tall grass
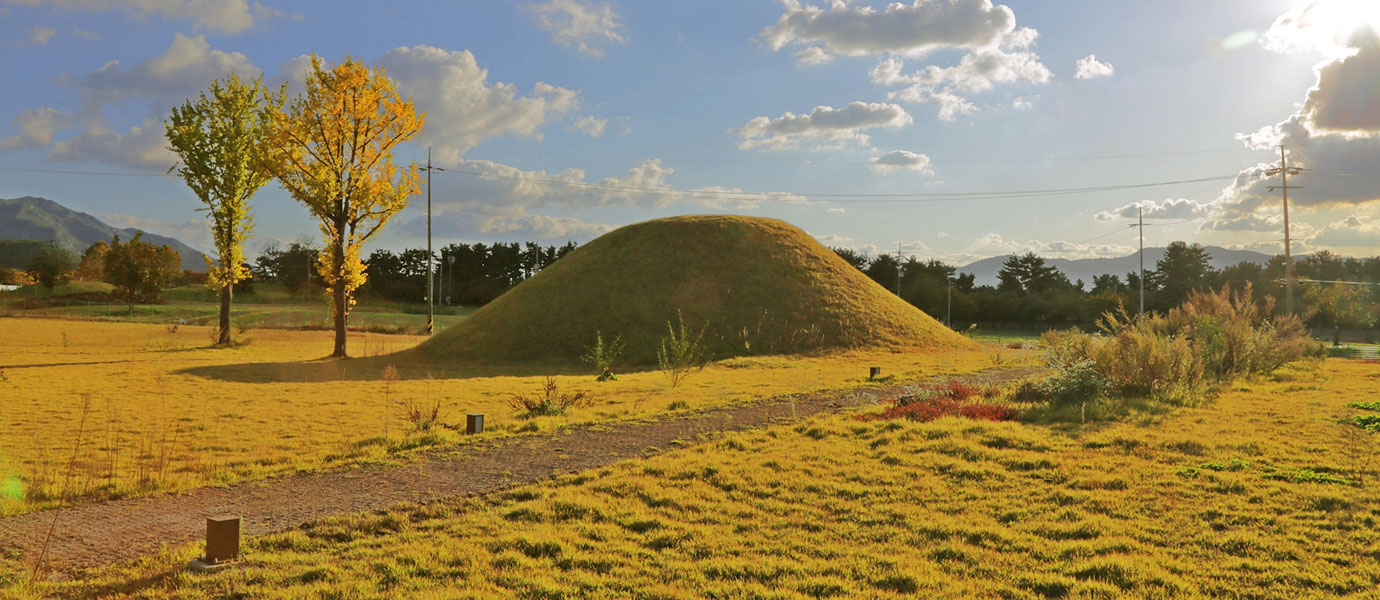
<point>1212,338</point>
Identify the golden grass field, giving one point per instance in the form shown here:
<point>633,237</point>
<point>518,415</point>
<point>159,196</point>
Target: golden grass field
<point>1260,493</point>
<point>166,412</point>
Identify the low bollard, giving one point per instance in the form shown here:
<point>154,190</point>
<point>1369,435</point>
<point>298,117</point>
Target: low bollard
<point>874,372</point>
<point>222,544</point>
<point>474,424</point>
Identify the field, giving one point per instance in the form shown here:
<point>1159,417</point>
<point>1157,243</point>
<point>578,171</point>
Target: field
<point>267,306</point>
<point>166,412</point>
<point>1261,493</point>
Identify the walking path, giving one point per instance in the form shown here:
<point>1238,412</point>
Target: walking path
<point>109,532</point>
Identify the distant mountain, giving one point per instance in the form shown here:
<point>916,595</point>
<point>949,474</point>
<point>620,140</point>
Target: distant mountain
<point>41,219</point>
<point>985,271</point>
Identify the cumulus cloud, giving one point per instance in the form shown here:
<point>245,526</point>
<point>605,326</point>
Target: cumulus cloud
<point>36,129</point>
<point>978,71</point>
<point>901,160</point>
<point>142,146</point>
<point>813,55</point>
<point>1169,208</point>
<point>912,29</point>
<point>180,72</point>
<point>219,16</point>
<point>193,231</point>
<point>489,198</point>
<point>462,108</point>
<point>41,35</point>
<point>995,244</point>
<point>1089,67</point>
<point>1334,136</point>
<point>835,210</point>
<point>1001,58</point>
<point>1025,102</point>
<point>825,123</point>
<point>590,126</point>
<point>574,24</point>
<point>1352,232</point>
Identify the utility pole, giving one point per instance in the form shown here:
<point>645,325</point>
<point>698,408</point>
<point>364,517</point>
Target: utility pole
<point>949,301</point>
<point>898,269</point>
<point>430,275</point>
<point>1284,171</point>
<point>1140,226</point>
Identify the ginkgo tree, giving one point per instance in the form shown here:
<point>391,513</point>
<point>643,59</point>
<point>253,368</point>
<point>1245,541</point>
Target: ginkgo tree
<point>332,149</point>
<point>219,140</point>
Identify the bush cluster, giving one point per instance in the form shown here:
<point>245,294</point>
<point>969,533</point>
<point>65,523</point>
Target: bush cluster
<point>1212,338</point>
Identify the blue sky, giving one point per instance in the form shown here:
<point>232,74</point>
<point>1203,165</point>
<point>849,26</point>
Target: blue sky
<point>867,126</point>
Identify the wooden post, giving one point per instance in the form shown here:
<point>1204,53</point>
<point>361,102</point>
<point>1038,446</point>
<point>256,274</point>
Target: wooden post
<point>222,544</point>
<point>474,424</point>
<point>874,372</point>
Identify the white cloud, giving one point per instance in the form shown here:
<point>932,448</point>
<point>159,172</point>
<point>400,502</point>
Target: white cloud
<point>1089,67</point>
<point>1169,208</point>
<point>901,160</point>
<point>912,29</point>
<point>488,182</point>
<point>813,55</point>
<point>41,35</point>
<point>180,72</point>
<point>1334,136</point>
<point>951,105</point>
<point>87,35</point>
<point>462,108</point>
<point>508,221</point>
<point>36,129</point>
<point>1325,26</point>
<point>142,146</point>
<point>589,126</point>
<point>826,123</point>
<point>835,210</point>
<point>995,244</point>
<point>835,240</point>
<point>1352,232</point>
<point>194,232</point>
<point>977,71</point>
<point>220,16</point>
<point>1025,102</point>
<point>163,81</point>
<point>580,25</point>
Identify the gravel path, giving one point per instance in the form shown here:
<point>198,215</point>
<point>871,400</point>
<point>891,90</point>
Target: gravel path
<point>109,532</point>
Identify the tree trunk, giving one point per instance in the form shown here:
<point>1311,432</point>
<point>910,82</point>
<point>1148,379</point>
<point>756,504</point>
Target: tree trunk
<point>226,292</point>
<point>339,296</point>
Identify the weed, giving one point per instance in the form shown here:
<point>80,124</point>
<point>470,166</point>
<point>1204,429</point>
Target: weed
<point>390,374</point>
<point>602,357</point>
<point>550,401</point>
<point>681,354</point>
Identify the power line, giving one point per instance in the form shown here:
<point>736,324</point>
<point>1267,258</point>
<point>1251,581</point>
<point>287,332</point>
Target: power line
<point>867,162</point>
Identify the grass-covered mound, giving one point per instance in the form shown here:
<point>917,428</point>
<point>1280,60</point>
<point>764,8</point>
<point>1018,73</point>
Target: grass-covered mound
<point>753,285</point>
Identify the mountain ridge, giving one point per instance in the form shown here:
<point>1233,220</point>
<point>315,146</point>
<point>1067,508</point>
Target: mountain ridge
<point>985,271</point>
<point>41,219</point>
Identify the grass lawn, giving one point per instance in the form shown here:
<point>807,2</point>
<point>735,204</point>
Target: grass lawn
<point>1260,493</point>
<point>166,412</point>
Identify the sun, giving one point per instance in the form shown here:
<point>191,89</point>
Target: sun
<point>1333,24</point>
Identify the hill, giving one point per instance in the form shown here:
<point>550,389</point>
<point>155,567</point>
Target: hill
<point>985,270</point>
<point>40,219</point>
<point>755,286</point>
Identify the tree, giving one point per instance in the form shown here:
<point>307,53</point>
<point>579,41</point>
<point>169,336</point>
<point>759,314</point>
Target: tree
<point>1107,284</point>
<point>92,263</point>
<point>292,267</point>
<point>1184,268</point>
<point>852,257</point>
<point>219,140</point>
<point>884,270</point>
<point>140,270</point>
<point>1030,275</point>
<point>1338,305</point>
<point>332,149</point>
<point>52,266</point>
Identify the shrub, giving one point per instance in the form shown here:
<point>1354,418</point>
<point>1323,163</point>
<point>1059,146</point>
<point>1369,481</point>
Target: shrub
<point>550,401</point>
<point>602,357</point>
<point>422,416</point>
<point>680,353</point>
<point>1213,337</point>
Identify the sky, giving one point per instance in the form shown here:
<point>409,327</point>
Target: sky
<point>948,129</point>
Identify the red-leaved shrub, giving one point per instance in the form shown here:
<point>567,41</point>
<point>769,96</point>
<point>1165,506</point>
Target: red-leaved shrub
<point>950,399</point>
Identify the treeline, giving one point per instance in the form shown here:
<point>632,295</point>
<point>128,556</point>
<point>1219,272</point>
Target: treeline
<point>1031,291</point>
<point>138,270</point>
<point>466,274</point>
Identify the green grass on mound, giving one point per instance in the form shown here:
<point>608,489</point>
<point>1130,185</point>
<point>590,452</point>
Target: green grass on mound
<point>753,285</point>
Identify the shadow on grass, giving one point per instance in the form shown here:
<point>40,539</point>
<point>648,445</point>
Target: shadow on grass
<point>410,366</point>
